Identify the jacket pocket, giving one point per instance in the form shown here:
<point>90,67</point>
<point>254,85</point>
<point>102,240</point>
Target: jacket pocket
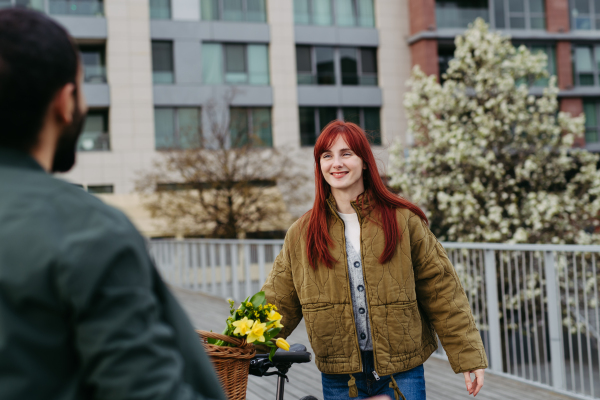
<point>327,326</point>
<point>317,308</point>
<point>402,305</point>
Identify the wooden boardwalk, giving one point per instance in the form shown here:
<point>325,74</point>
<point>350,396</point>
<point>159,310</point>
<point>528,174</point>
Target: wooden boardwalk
<point>209,313</point>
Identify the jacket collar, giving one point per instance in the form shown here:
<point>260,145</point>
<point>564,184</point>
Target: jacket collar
<point>361,205</point>
<point>18,159</point>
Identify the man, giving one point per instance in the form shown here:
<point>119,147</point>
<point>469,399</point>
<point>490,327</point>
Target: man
<point>83,312</point>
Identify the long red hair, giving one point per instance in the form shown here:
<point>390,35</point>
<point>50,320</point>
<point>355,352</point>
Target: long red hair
<point>379,197</point>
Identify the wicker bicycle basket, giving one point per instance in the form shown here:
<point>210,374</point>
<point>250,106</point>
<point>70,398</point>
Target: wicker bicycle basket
<point>230,363</point>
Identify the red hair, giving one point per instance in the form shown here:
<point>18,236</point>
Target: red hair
<point>379,197</point>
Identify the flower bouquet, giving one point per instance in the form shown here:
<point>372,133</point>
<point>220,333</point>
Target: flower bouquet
<point>256,321</point>
<point>253,322</point>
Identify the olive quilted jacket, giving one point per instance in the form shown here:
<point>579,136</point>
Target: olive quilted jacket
<point>410,298</point>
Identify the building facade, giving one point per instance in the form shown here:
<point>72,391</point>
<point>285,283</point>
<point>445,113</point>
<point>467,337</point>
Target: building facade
<point>568,31</point>
<point>152,66</point>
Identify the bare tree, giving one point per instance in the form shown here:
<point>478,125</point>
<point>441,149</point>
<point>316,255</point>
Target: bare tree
<point>226,182</point>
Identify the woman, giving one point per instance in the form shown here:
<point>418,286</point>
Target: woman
<point>371,281</point>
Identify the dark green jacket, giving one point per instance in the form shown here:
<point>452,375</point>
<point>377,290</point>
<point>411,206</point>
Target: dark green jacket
<point>83,312</point>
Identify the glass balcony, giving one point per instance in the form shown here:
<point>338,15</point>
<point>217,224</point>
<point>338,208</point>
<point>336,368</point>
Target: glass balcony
<point>460,13</point>
<point>93,141</point>
<point>95,74</point>
<point>76,7</point>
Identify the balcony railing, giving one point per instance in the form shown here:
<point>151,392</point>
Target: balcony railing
<point>76,7</point>
<point>93,141</point>
<point>536,306</point>
<point>60,7</point>
<point>94,74</point>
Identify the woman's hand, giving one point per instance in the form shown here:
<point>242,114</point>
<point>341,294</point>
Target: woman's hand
<point>475,386</point>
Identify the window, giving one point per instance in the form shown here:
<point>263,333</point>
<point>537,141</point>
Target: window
<point>162,62</point>
<point>460,13</point>
<point>100,189</point>
<point>235,64</point>
<point>347,12</point>
<point>33,4</point>
<point>316,65</point>
<point>585,14</point>
<point>234,10</point>
<point>314,119</point>
<point>550,67</point>
<point>586,60</point>
<point>592,128</point>
<point>75,7</point>
<point>445,54</point>
<point>160,9</point>
<point>94,64</point>
<point>520,14</point>
<point>250,126</point>
<point>95,132</point>
<point>177,128</point>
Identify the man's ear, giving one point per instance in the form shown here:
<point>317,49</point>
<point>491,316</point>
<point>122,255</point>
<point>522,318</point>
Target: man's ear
<point>63,104</point>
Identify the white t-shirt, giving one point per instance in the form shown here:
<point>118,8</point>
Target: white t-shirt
<point>352,229</point>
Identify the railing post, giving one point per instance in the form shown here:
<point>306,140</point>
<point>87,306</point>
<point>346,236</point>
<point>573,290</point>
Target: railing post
<point>491,293</point>
<point>554,322</point>
<point>234,271</point>
<point>247,264</point>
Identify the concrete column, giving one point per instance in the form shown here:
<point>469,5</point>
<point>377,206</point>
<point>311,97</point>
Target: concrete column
<point>564,66</point>
<point>573,106</point>
<point>392,19</point>
<point>282,55</point>
<point>129,68</point>
<point>424,53</point>
<point>557,15</point>
<point>422,15</point>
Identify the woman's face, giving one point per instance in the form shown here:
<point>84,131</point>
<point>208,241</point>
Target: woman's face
<point>342,168</point>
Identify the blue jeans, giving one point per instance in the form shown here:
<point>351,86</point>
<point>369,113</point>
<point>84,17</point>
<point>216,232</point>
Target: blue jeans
<point>411,383</point>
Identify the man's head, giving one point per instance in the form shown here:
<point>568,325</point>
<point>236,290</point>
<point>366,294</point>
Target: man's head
<point>42,107</point>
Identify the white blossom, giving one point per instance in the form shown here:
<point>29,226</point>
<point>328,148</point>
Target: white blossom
<point>490,161</point>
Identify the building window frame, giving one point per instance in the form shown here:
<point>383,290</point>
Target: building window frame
<point>178,140</point>
<point>307,141</point>
<point>526,14</point>
<point>363,78</point>
<point>100,75</point>
<point>95,141</point>
<point>250,125</point>
<point>160,77</point>
<point>160,11</point>
<point>219,9</point>
<point>592,131</point>
<point>251,78</point>
<point>593,16</point>
<point>595,68</point>
<point>358,17</point>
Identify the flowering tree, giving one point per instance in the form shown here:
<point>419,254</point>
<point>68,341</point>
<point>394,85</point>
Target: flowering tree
<point>492,162</point>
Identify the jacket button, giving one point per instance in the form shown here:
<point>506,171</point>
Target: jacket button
<point>361,310</point>
<point>363,336</point>
<point>356,264</point>
<point>361,288</point>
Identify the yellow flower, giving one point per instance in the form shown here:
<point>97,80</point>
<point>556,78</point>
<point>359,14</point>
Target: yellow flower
<point>282,344</point>
<point>257,332</point>
<point>243,326</point>
<point>274,316</point>
<point>248,304</point>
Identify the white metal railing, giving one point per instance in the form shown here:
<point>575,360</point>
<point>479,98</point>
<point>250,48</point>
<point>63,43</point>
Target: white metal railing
<point>536,306</point>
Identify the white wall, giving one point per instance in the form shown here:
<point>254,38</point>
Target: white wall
<point>185,10</point>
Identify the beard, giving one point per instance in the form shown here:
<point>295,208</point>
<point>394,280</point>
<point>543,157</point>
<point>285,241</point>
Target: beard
<point>66,147</point>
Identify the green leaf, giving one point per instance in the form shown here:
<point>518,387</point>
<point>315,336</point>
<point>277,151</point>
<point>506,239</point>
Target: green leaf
<point>211,340</point>
<point>270,344</point>
<point>258,299</point>
<point>272,353</point>
<point>271,333</point>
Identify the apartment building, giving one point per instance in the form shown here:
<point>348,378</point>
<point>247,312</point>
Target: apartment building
<point>568,31</point>
<point>152,66</point>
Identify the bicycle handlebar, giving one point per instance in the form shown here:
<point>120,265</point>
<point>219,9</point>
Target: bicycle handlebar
<point>282,360</point>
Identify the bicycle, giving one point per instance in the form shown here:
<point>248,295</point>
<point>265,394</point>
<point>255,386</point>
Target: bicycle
<point>282,361</point>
